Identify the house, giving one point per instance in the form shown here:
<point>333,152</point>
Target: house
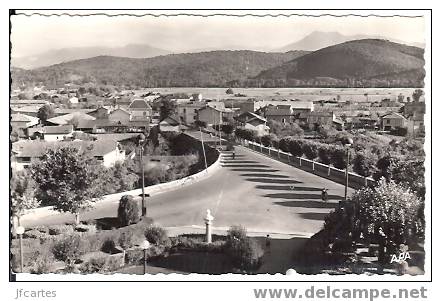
<point>140,110</point>
<point>119,115</point>
<point>100,113</point>
<point>188,112</point>
<point>73,100</point>
<point>279,113</point>
<point>24,153</point>
<point>57,133</point>
<point>392,121</point>
<point>31,110</point>
<point>172,124</point>
<point>252,121</point>
<point>245,105</point>
<point>22,121</point>
<point>196,97</point>
<point>69,118</point>
<point>317,118</point>
<point>100,126</point>
<point>212,116</point>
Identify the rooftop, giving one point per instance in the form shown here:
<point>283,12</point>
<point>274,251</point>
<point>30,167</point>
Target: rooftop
<point>37,148</point>
<point>139,104</point>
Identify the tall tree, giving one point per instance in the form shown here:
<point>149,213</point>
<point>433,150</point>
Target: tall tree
<point>67,179</point>
<point>45,112</point>
<point>22,193</point>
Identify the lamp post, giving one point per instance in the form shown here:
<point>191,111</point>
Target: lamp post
<point>20,231</point>
<point>347,142</point>
<point>145,246</point>
<point>141,140</point>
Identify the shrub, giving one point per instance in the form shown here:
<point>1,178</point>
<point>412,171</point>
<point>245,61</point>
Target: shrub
<point>86,228</point>
<point>236,233</point>
<point>60,229</point>
<point>113,263</point>
<point>43,262</point>
<point>35,234</point>
<point>295,147</point>
<point>324,153</point>
<point>364,163</point>
<point>95,264</point>
<point>338,157</point>
<point>42,229</point>
<point>310,150</point>
<point>108,246</point>
<point>128,211</point>
<point>284,143</point>
<point>156,235</point>
<point>69,248</point>
<point>246,254</point>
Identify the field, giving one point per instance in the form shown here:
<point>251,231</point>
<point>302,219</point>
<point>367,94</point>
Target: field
<point>304,94</point>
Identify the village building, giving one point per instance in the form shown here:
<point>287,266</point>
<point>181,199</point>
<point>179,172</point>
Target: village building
<point>188,112</point>
<point>254,122</point>
<point>393,121</point>
<point>25,152</point>
<point>140,110</point>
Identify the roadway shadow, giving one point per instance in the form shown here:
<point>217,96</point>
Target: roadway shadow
<point>307,196</point>
<point>308,204</point>
<point>246,165</point>
<point>272,181</point>
<point>317,216</point>
<point>255,170</point>
<point>288,188</point>
<point>239,161</point>
<point>264,175</point>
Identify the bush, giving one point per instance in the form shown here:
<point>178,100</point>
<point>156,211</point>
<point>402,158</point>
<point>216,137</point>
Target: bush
<point>338,157</point>
<point>135,257</point>
<point>310,150</point>
<point>128,211</point>
<point>42,264</point>
<point>69,248</point>
<point>95,264</point>
<point>197,244</point>
<point>86,228</point>
<point>35,234</point>
<point>60,229</point>
<point>42,229</point>
<point>324,154</point>
<point>156,235</point>
<point>246,254</point>
<point>236,233</point>
<point>108,246</point>
<point>295,148</point>
<point>364,163</point>
<point>127,240</point>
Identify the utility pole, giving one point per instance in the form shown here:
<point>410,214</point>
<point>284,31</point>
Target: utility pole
<point>141,141</point>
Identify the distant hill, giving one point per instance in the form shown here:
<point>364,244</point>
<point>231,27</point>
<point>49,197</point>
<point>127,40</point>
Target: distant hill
<point>369,62</point>
<point>205,69</point>
<point>318,39</point>
<point>57,56</point>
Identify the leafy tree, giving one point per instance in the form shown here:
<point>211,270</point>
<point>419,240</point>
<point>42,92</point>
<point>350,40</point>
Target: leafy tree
<point>310,150</point>
<point>410,174</point>
<point>67,179</point>
<point>389,215</point>
<point>228,128</point>
<point>167,108</point>
<point>338,157</point>
<point>229,91</point>
<point>364,163</point>
<point>285,129</point>
<point>45,112</point>
<point>22,193</point>
<point>416,95</point>
<point>124,176</point>
<point>325,153</point>
<point>295,147</point>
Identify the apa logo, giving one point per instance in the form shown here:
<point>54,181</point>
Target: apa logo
<point>403,256</point>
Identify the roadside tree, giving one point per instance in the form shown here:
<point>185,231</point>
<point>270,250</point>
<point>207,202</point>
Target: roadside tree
<point>67,179</point>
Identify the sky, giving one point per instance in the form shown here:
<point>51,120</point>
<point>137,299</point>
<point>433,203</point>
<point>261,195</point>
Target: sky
<point>35,34</point>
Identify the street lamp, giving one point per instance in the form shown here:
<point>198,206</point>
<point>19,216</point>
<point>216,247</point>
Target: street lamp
<point>141,140</point>
<point>19,231</point>
<point>145,246</point>
<point>347,142</point>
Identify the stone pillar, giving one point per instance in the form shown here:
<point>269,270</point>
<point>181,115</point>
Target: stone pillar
<point>208,221</point>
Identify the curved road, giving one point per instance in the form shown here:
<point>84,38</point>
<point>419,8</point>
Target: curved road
<point>260,193</point>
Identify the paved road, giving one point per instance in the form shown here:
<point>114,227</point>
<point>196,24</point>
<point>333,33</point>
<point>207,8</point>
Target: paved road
<point>257,192</point>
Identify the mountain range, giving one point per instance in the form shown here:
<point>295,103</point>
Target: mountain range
<point>58,56</point>
<point>319,39</point>
<point>359,63</point>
